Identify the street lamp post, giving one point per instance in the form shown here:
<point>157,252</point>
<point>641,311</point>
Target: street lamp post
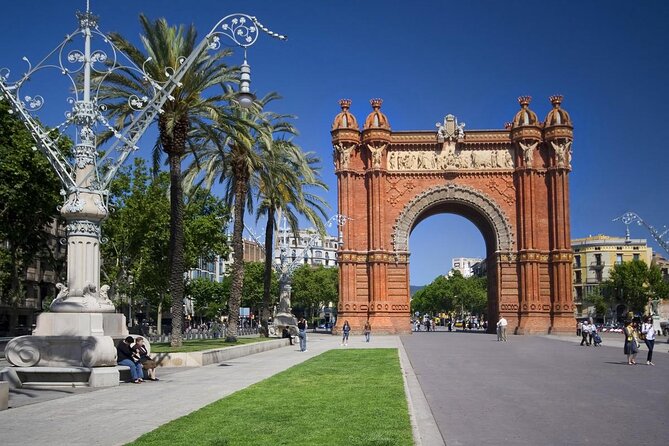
<point>86,178</point>
<point>285,269</point>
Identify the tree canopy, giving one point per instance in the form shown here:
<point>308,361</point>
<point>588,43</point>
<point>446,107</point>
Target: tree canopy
<point>452,293</point>
<point>138,232</point>
<point>313,288</point>
<point>29,196</point>
<point>633,283</point>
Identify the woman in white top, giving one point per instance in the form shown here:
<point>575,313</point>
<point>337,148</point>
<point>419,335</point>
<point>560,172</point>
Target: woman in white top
<point>648,331</point>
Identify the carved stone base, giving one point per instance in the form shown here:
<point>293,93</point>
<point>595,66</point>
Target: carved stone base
<point>61,351</point>
<point>69,339</point>
<point>82,304</point>
<point>282,320</point>
<point>81,324</point>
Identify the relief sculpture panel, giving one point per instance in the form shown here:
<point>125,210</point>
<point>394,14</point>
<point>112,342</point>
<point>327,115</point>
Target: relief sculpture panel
<point>450,158</point>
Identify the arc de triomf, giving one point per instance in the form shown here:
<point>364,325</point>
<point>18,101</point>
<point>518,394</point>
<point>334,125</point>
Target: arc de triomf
<point>513,184</point>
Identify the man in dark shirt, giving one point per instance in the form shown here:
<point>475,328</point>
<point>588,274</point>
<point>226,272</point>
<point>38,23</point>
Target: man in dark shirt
<point>125,356</point>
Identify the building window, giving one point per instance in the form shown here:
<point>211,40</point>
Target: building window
<point>636,248</point>
<point>598,259</point>
<point>619,259</point>
<point>577,259</point>
<point>578,277</point>
<point>318,254</point>
<point>636,256</point>
<point>598,276</point>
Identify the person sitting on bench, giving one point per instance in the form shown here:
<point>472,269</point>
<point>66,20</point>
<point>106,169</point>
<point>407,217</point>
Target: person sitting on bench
<point>126,355</point>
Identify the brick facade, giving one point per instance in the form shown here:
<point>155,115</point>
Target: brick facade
<point>513,184</point>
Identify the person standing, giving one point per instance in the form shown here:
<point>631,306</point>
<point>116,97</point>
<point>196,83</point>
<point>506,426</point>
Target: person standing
<point>631,347</point>
<point>302,333</point>
<point>501,328</point>
<point>648,332</point>
<point>585,331</point>
<point>367,330</point>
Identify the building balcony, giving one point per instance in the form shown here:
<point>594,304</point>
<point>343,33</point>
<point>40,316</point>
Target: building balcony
<point>597,265</point>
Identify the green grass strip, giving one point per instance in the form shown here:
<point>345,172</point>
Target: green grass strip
<point>196,345</point>
<point>341,397</point>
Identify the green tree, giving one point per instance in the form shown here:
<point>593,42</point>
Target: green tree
<point>452,293</point>
<point>235,158</point>
<point>29,196</point>
<point>284,182</point>
<point>597,299</point>
<point>210,297</point>
<point>633,283</point>
<point>313,288</point>
<point>252,290</point>
<point>194,107</point>
<point>138,233</point>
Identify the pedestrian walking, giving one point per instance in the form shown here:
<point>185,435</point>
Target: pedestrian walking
<point>585,332</point>
<point>648,336</point>
<point>302,333</point>
<point>367,331</point>
<point>346,329</point>
<point>501,328</point>
<point>631,347</point>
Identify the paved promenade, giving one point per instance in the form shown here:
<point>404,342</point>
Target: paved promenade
<point>96,417</point>
<point>464,388</point>
<point>535,390</point>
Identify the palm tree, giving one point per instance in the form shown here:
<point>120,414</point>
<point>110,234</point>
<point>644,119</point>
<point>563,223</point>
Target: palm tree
<point>231,156</point>
<point>245,162</point>
<point>190,110</point>
<point>283,186</point>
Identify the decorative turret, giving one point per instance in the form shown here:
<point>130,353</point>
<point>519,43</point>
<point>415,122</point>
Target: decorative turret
<point>526,132</point>
<point>558,133</point>
<point>526,124</point>
<point>377,128</point>
<point>557,123</point>
<point>345,128</point>
<point>345,119</point>
<point>376,119</point>
<point>345,136</point>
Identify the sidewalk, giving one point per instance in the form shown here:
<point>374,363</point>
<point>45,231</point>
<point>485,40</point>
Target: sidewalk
<point>94,418</point>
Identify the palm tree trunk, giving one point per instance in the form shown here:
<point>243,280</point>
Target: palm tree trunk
<point>236,287</point>
<point>176,249</point>
<point>267,277</point>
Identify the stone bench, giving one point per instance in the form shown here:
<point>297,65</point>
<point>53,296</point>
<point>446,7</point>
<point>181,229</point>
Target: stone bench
<point>50,377</point>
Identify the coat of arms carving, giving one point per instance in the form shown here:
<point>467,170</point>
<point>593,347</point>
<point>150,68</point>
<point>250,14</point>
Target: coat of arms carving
<point>450,130</point>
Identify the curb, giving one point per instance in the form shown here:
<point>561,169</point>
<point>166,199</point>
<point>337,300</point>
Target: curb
<point>217,355</point>
<point>423,425</point>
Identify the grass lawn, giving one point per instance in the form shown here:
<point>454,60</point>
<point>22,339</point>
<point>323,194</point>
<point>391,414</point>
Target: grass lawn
<point>196,345</point>
<point>341,397</point>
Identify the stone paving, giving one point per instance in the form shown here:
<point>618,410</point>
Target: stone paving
<point>535,390</point>
<point>462,388</point>
<point>95,417</point>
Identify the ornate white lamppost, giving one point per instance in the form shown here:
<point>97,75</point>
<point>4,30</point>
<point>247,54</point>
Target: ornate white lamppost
<point>662,239</point>
<point>82,324</point>
<point>285,268</point>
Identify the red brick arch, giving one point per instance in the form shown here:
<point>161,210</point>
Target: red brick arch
<point>512,184</point>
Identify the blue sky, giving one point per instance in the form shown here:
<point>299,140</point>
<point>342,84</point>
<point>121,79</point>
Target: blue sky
<point>429,58</point>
